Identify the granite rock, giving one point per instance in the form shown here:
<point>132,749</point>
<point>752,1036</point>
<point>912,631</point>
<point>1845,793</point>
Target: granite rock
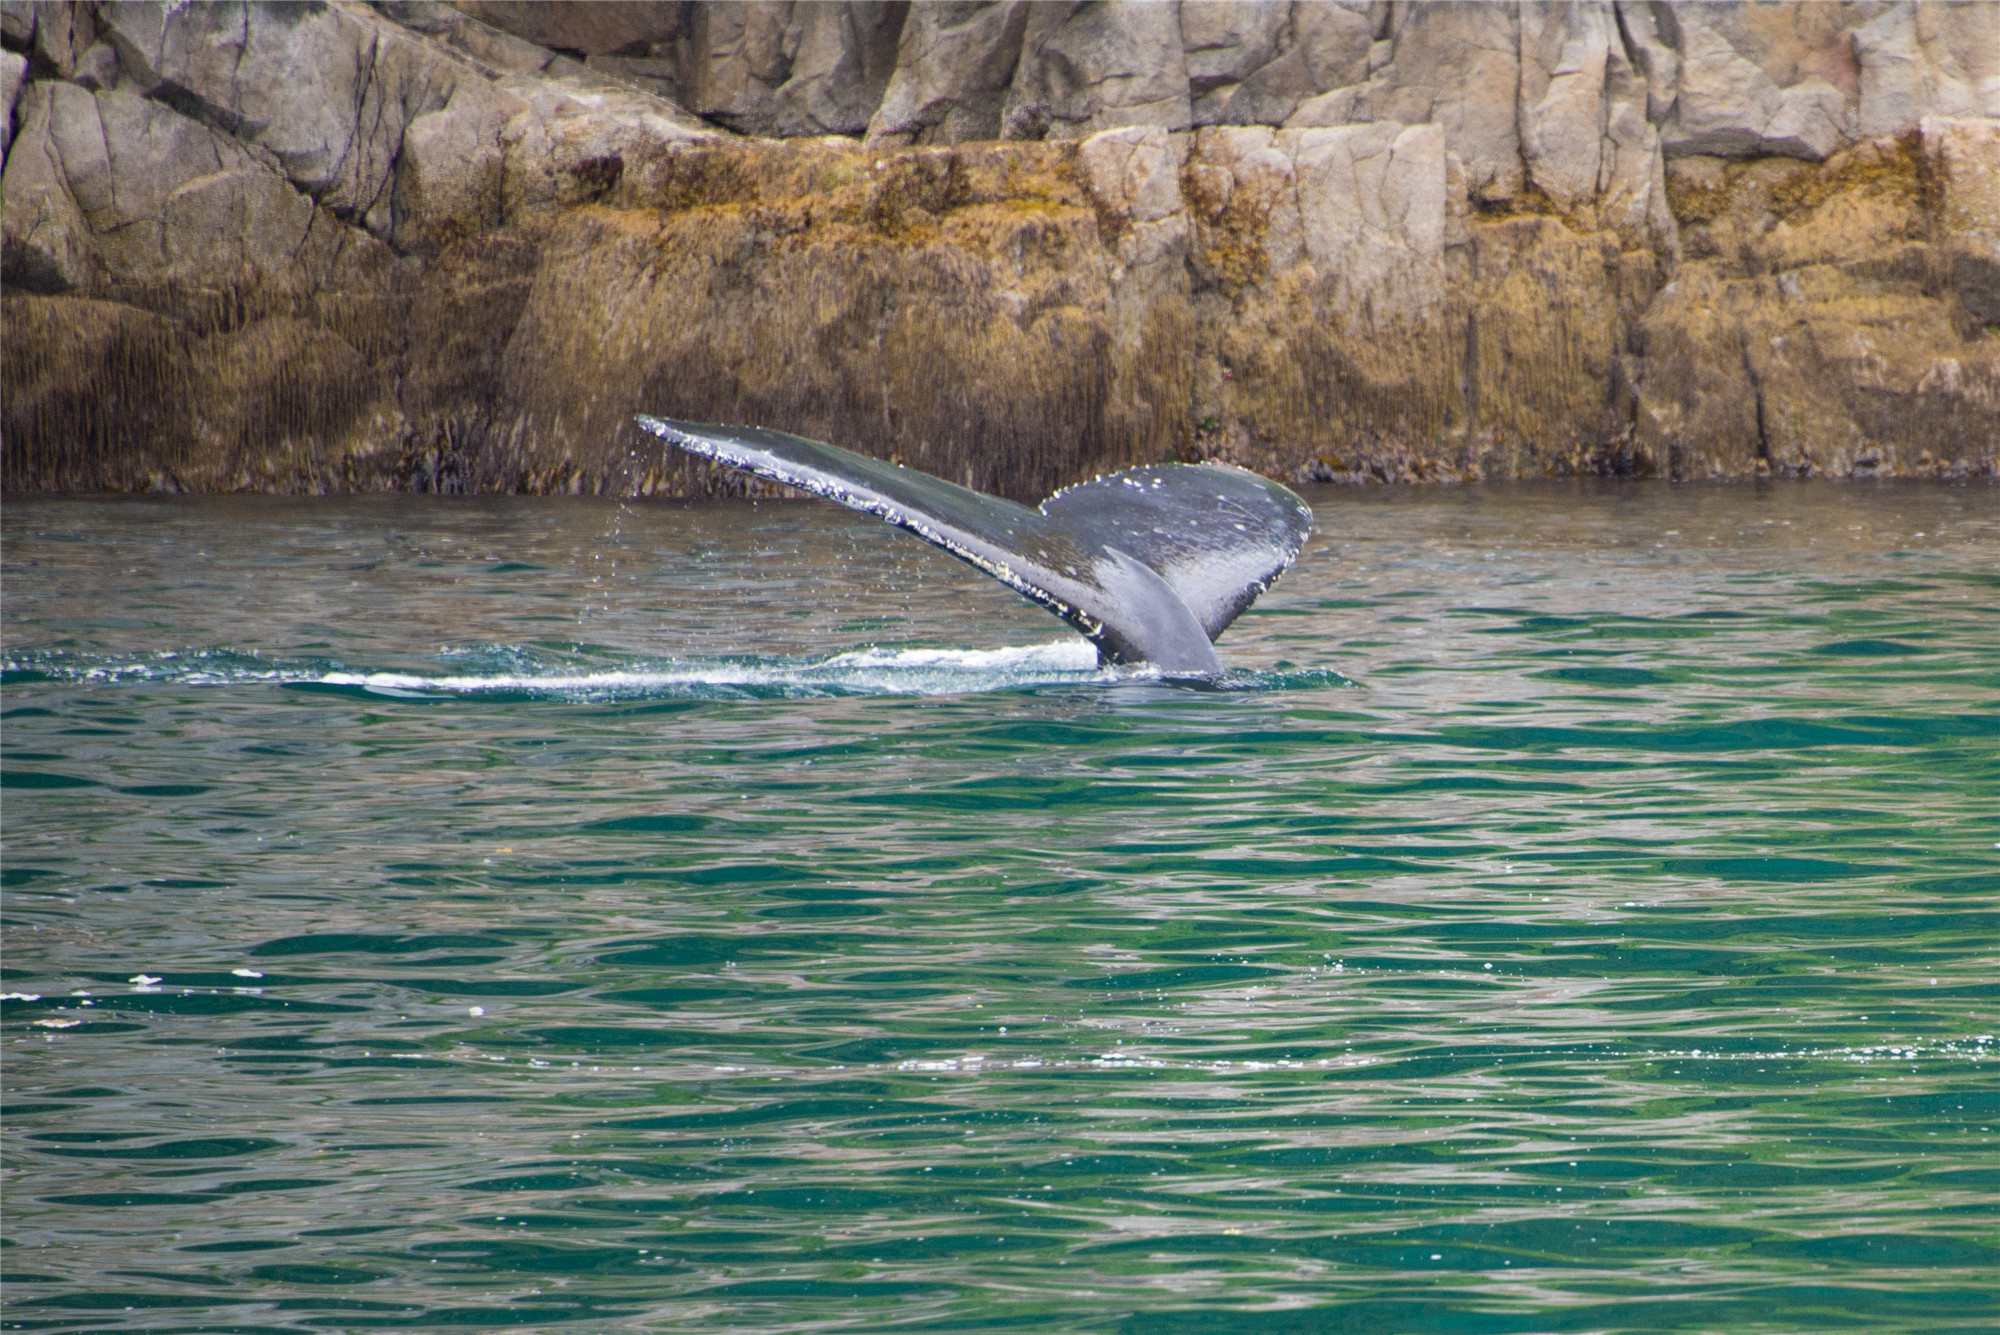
<point>1371,202</point>
<point>1325,44</point>
<point>1134,177</point>
<point>954,64</point>
<point>739,56</point>
<point>143,195</point>
<point>13,72</point>
<point>17,23</point>
<point>1224,42</point>
<point>1931,59</point>
<point>449,175</point>
<point>491,49</point>
<point>573,143</point>
<point>347,246</point>
<point>1452,64</point>
<point>764,67</point>
<point>583,28</point>
<point>1965,163</point>
<point>323,92</point>
<point>1087,68</point>
<point>1731,100</point>
<point>1805,332</point>
<point>44,237</point>
<point>842,58</point>
<point>62,32</point>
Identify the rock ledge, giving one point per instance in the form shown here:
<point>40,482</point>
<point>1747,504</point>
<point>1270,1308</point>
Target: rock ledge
<point>335,246</point>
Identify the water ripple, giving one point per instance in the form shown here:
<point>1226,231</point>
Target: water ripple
<point>1576,912</point>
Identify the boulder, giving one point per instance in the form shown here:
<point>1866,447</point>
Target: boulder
<point>1632,188</point>
<point>1586,139</point>
<point>13,72</point>
<point>574,141</point>
<point>495,51</point>
<point>44,240</point>
<point>1565,60</point>
<point>1941,60</point>
<point>1761,81</point>
<point>413,142</point>
<point>1134,176</point>
<point>1093,67</point>
<point>1371,201</point>
<point>163,198</point>
<point>168,197</point>
<point>1242,196</point>
<point>1457,66</point>
<point>1134,173</point>
<point>17,23</point>
<point>739,53</point>
<point>788,70</point>
<point>324,91</point>
<point>1656,57</point>
<point>1892,73</point>
<point>449,174</point>
<point>588,27</point>
<point>1359,212</point>
<point>1224,42</point>
<point>954,63</point>
<point>1961,45</point>
<point>842,59</point>
<point>1324,45</point>
<point>62,31</point>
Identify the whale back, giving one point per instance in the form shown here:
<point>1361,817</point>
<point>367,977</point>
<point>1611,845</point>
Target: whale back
<point>1149,564</point>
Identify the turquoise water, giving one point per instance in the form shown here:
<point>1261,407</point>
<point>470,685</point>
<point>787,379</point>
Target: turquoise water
<point>1577,912</point>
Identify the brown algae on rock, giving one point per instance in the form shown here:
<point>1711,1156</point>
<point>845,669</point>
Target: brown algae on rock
<point>1707,243</point>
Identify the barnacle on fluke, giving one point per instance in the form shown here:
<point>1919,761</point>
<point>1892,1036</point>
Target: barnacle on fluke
<point>1152,564</point>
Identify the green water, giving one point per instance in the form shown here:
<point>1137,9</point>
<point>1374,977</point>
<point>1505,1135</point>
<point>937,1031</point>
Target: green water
<point>1577,913</point>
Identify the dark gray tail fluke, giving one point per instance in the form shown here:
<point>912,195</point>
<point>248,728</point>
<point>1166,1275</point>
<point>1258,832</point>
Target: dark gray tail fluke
<point>1151,564</point>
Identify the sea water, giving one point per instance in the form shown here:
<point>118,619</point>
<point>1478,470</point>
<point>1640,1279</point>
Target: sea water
<point>1576,911</point>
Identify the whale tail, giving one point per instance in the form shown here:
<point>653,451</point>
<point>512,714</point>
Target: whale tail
<point>1152,564</point>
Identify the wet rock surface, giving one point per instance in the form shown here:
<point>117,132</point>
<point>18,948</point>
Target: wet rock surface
<point>333,246</point>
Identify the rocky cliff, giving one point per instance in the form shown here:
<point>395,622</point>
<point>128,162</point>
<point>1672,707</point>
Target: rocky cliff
<point>326,246</point>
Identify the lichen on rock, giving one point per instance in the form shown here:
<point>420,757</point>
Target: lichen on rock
<point>333,246</point>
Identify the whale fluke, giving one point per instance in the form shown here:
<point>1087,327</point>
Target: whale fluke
<point>1151,564</point>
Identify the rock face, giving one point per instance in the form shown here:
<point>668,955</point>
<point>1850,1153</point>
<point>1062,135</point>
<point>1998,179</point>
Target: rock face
<point>322,246</point>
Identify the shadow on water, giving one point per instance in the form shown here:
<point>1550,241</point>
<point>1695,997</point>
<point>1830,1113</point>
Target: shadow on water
<point>1574,913</point>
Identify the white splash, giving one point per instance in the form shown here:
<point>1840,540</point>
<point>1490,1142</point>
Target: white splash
<point>505,669</point>
<point>863,671</point>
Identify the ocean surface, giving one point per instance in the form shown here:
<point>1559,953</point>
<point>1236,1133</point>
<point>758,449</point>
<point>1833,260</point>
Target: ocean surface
<point>1579,910</point>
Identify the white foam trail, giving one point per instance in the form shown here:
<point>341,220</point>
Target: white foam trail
<point>867,671</point>
<point>1069,655</point>
<point>870,671</point>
